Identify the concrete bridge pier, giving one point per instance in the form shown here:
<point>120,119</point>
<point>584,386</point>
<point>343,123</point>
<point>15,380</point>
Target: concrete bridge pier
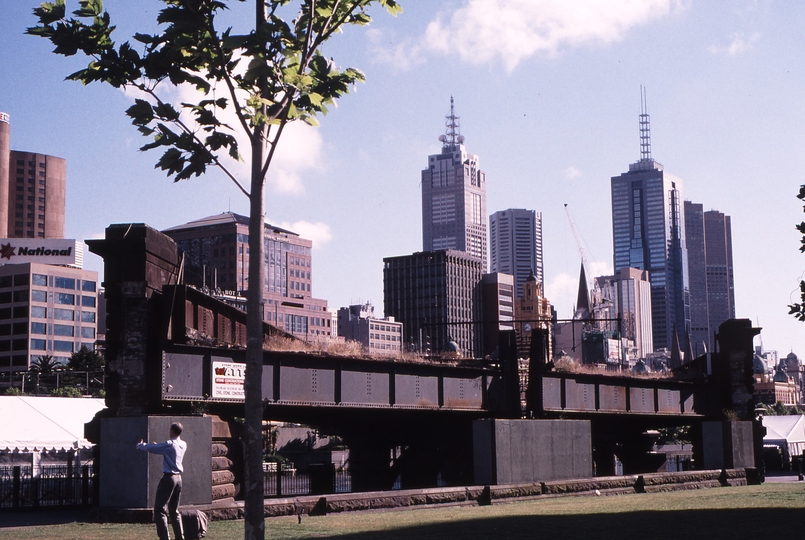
<point>369,464</point>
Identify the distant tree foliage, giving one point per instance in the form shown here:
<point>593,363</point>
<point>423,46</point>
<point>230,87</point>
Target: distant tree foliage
<point>85,359</point>
<point>779,409</point>
<point>67,391</point>
<point>798,309</point>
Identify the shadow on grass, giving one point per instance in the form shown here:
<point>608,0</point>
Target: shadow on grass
<point>33,517</point>
<point>646,525</point>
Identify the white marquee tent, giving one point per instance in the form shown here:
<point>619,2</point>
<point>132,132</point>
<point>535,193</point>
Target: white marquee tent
<point>785,432</point>
<point>36,424</point>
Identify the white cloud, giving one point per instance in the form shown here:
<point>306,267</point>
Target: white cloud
<point>563,290</point>
<point>319,233</point>
<point>300,148</point>
<point>510,31</point>
<point>738,45</point>
<point>403,56</point>
<point>571,172</point>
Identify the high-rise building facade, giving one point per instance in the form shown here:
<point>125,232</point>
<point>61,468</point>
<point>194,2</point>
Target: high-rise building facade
<point>515,245</point>
<point>648,230</point>
<point>216,257</point>
<point>623,304</point>
<point>45,310</point>
<point>712,286</point>
<point>454,197</point>
<point>497,297</point>
<point>379,336</point>
<point>32,191</point>
<point>436,295</point>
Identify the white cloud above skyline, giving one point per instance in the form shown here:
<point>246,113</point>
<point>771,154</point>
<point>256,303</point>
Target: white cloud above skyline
<point>510,31</point>
<point>319,232</point>
<point>739,44</point>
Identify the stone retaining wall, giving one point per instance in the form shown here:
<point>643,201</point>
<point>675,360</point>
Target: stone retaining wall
<point>483,495</point>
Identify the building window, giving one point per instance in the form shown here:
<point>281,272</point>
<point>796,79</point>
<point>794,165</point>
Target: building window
<point>88,286</point>
<point>39,312</point>
<point>38,345</point>
<point>39,296</point>
<point>39,279</point>
<point>63,346</point>
<point>64,283</point>
<point>88,301</point>
<point>64,298</point>
<point>63,330</point>
<point>87,332</point>
<point>89,316</point>
<point>63,314</point>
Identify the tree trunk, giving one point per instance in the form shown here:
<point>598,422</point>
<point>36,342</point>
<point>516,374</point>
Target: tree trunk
<point>254,521</point>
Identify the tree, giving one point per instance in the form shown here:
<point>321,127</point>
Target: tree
<point>44,364</point>
<point>798,309</point>
<point>86,360</point>
<point>274,75</point>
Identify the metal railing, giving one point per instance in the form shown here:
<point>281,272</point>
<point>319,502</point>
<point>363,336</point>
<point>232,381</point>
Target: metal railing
<point>62,485</point>
<point>284,481</point>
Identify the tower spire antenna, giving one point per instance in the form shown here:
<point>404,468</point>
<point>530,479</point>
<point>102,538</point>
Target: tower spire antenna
<point>645,127</point>
<point>452,135</point>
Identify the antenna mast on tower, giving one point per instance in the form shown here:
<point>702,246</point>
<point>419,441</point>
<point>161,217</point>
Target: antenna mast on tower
<point>645,127</point>
<point>452,135</point>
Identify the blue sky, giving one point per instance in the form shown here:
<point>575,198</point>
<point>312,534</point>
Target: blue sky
<point>548,92</point>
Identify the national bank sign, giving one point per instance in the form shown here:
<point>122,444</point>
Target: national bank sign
<point>51,251</point>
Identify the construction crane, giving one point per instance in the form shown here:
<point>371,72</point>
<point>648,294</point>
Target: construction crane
<point>583,302</point>
<point>580,246</point>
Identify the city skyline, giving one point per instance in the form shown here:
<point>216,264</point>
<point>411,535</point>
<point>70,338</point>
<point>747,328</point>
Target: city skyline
<point>552,114</point>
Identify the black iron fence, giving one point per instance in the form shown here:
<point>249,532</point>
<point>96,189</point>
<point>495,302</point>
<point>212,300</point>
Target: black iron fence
<point>62,485</point>
<point>283,480</point>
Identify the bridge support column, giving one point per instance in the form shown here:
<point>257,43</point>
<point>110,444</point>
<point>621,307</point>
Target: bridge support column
<point>369,465</point>
<point>728,445</point>
<point>128,477</point>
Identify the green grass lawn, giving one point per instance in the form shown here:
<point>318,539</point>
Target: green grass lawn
<point>751,512</point>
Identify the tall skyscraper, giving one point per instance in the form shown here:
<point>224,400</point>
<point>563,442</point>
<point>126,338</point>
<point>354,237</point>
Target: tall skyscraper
<point>454,197</point>
<point>32,191</point>
<point>712,287</point>
<point>5,155</point>
<point>436,295</point>
<point>515,245</point>
<point>648,229</point>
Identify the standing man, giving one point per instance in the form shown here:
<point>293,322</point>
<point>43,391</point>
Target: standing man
<point>166,501</point>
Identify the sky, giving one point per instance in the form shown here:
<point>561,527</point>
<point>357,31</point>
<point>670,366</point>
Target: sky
<point>548,95</point>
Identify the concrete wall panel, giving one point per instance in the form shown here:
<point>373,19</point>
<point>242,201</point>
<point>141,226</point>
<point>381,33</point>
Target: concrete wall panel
<point>517,451</point>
